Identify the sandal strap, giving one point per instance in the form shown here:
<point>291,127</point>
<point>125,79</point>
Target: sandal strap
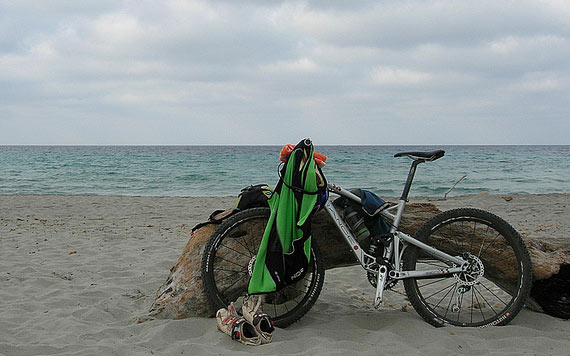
<point>257,318</point>
<point>257,322</point>
<point>236,328</point>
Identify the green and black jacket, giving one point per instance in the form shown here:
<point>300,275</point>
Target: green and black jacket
<point>285,250</point>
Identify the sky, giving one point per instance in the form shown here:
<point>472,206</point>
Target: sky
<point>273,72</point>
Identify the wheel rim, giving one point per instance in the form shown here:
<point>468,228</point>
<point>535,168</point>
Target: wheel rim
<point>486,291</point>
<point>232,263</point>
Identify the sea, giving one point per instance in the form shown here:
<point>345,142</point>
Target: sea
<point>197,171</point>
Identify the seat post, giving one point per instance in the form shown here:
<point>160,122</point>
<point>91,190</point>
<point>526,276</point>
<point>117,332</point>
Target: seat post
<point>410,179</point>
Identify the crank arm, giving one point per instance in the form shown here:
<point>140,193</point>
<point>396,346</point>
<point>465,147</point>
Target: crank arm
<point>380,283</point>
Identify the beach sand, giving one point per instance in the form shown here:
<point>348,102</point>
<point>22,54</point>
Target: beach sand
<point>77,271</point>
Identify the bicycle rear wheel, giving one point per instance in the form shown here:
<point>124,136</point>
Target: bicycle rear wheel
<point>494,288</point>
<point>227,264</point>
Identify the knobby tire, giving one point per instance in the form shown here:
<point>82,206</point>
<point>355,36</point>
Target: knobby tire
<point>227,263</point>
<point>492,292</point>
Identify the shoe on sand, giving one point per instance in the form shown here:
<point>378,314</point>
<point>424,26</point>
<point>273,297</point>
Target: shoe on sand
<point>262,323</point>
<point>230,323</point>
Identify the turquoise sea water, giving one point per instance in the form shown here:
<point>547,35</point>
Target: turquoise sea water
<point>224,170</point>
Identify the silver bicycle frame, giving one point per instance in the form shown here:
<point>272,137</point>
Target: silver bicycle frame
<point>396,247</point>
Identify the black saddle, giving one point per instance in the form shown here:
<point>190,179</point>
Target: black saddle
<point>422,156</point>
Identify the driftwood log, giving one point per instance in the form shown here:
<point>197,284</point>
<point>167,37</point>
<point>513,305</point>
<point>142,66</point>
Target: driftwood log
<point>182,294</point>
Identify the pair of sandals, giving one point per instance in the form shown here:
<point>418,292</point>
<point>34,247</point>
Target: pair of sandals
<point>253,328</point>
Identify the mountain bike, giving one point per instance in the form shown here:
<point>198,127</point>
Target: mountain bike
<point>463,267</point>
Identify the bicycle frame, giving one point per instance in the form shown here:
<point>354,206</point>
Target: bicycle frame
<point>394,252</point>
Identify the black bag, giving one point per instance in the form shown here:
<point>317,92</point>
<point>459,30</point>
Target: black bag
<point>253,196</point>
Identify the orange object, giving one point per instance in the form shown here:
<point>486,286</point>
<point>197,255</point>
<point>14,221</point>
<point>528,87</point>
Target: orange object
<point>286,152</point>
<point>320,158</point>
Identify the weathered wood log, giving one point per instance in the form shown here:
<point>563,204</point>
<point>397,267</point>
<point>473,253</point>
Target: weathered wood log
<point>182,294</point>
<point>551,267</point>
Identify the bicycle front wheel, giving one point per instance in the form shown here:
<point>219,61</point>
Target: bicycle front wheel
<point>227,264</point>
<point>491,291</point>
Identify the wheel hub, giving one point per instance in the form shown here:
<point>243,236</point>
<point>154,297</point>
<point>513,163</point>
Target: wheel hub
<point>473,273</point>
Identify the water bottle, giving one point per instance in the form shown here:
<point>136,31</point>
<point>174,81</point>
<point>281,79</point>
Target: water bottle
<point>356,224</point>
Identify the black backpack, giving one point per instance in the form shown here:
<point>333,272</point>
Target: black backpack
<point>253,196</point>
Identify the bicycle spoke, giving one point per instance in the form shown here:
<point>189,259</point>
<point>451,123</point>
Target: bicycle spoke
<point>231,285</point>
<point>472,291</point>
<point>301,290</point>
<point>223,277</point>
<point>237,240</point>
<point>441,290</point>
<point>450,300</point>
<point>427,284</point>
<point>490,291</point>
<point>479,306</point>
<point>247,245</point>
<point>300,296</point>
<point>483,242</point>
<point>485,299</point>
<point>473,236</point>
<point>221,258</point>
<point>462,225</point>
<point>441,300</point>
<point>501,255</point>
<point>492,242</point>
<point>452,234</point>
<point>228,270</point>
<point>236,251</point>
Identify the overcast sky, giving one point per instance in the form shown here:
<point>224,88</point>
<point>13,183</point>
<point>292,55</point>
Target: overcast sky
<point>273,72</point>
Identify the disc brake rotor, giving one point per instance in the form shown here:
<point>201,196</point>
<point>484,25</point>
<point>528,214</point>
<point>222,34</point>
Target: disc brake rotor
<point>473,273</point>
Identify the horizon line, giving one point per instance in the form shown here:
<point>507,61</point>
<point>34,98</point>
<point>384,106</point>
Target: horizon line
<point>269,144</point>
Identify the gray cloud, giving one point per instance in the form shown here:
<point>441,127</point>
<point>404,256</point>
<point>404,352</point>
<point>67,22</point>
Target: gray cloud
<point>189,72</point>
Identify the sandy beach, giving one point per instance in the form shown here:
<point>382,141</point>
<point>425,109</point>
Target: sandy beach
<point>77,271</point>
